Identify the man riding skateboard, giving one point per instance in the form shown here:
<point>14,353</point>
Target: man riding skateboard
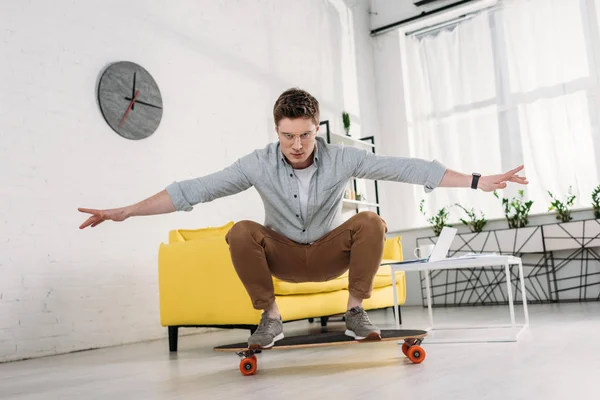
<point>301,180</point>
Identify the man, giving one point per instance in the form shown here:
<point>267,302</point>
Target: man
<point>301,180</point>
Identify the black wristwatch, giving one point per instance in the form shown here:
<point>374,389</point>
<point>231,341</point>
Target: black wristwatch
<point>475,180</point>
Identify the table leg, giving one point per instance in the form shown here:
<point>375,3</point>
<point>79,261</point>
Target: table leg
<point>510,295</point>
<point>428,290</point>
<point>522,279</point>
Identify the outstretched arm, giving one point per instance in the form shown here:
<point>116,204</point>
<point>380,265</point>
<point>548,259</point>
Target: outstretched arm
<point>160,203</point>
<point>487,183</point>
<point>178,196</point>
<point>430,174</point>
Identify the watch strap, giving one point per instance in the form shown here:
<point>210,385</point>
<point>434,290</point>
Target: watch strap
<point>475,180</point>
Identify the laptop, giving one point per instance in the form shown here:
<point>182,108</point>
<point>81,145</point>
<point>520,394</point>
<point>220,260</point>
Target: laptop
<point>440,250</point>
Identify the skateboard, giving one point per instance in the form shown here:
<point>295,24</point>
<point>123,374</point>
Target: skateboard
<point>249,363</point>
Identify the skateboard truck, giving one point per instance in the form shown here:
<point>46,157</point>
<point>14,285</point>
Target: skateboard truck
<point>248,353</point>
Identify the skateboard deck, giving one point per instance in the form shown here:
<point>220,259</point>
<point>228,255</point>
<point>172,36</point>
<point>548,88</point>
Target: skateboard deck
<point>248,366</point>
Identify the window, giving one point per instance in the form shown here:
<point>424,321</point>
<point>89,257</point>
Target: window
<point>513,84</point>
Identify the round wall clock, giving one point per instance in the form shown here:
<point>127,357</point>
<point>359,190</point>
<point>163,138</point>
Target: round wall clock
<point>130,100</point>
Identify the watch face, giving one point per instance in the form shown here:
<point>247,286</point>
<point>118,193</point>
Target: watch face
<point>130,100</point>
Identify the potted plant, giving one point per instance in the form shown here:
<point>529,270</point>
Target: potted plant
<point>474,223</point>
<point>346,121</point>
<point>596,201</point>
<point>564,213</point>
<point>516,211</point>
<point>439,221</point>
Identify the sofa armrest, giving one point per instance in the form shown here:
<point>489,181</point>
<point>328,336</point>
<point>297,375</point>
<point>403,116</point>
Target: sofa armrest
<point>198,285</point>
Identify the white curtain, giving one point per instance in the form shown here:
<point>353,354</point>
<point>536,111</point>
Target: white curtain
<point>514,84</point>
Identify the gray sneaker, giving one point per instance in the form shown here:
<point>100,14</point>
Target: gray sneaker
<point>268,332</point>
<point>359,326</point>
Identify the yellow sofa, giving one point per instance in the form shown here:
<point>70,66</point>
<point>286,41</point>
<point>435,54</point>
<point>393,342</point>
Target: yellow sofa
<point>198,286</point>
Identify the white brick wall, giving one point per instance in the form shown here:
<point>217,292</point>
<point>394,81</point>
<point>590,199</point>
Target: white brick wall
<point>220,66</point>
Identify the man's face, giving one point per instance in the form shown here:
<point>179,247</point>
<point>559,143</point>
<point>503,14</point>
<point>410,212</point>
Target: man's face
<point>297,139</point>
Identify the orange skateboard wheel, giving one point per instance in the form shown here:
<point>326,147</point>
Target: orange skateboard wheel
<point>248,366</point>
<point>416,354</point>
<point>405,348</point>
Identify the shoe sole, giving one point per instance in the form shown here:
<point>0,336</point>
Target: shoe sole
<point>370,336</point>
<point>257,346</point>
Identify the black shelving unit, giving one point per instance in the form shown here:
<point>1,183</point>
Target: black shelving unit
<point>370,139</point>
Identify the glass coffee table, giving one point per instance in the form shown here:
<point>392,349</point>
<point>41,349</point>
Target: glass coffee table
<point>511,332</point>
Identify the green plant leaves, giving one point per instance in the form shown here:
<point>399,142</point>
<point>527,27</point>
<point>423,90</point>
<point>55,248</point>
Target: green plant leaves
<point>516,211</point>
<point>563,210</point>
<point>596,201</point>
<point>438,221</point>
<point>474,222</point>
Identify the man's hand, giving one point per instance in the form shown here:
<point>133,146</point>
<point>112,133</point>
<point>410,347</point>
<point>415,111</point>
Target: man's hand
<point>99,216</point>
<point>489,183</point>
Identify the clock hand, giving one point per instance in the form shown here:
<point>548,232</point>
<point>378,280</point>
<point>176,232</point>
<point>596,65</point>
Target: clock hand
<point>129,108</point>
<point>133,89</point>
<point>144,103</point>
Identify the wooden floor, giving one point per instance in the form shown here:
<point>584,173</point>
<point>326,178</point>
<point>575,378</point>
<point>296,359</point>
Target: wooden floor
<point>558,358</point>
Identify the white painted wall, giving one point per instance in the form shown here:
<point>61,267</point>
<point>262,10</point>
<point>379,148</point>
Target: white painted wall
<point>220,66</point>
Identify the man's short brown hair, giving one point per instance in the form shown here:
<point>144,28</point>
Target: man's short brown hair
<point>296,103</point>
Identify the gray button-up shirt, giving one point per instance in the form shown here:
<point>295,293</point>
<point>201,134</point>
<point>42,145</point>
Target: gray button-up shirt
<point>267,170</point>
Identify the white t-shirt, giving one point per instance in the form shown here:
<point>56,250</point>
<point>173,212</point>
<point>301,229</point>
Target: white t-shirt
<point>304,176</point>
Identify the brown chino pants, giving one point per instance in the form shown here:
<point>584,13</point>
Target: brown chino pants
<point>259,253</point>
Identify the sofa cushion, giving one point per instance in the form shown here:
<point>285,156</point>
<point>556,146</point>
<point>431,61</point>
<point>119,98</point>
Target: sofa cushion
<point>382,278</point>
<point>392,249</point>
<point>184,235</point>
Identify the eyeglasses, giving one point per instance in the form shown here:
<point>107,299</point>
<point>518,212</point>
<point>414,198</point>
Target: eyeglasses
<point>304,137</point>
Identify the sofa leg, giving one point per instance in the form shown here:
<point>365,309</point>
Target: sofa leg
<point>173,334</point>
<point>311,320</point>
<point>324,321</point>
